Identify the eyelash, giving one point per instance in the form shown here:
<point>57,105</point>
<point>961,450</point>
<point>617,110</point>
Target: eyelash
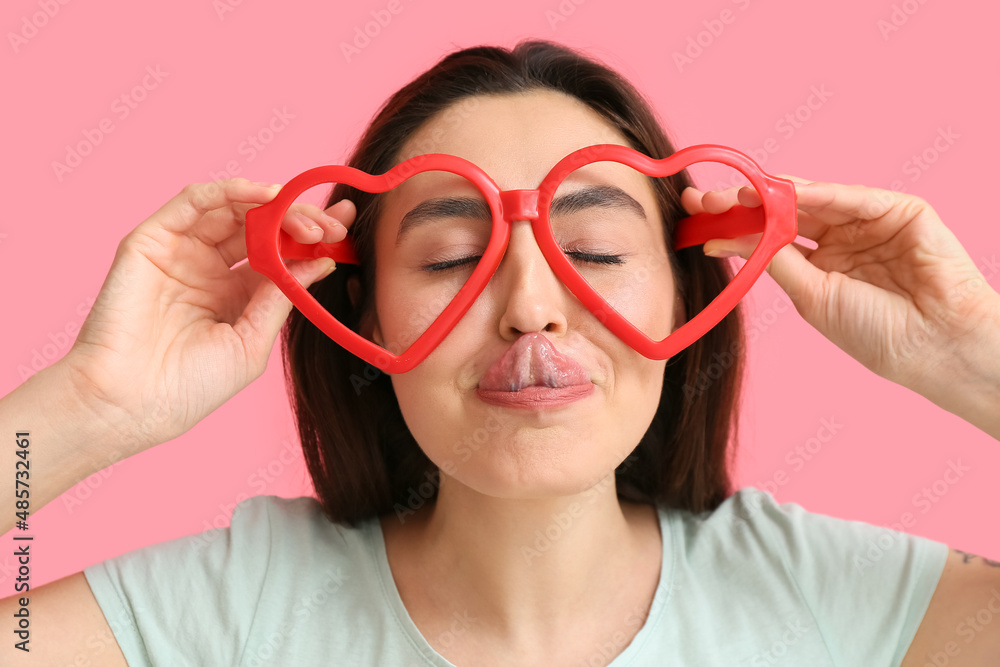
<point>584,256</point>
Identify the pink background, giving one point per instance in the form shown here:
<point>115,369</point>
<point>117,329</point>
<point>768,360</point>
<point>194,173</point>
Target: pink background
<point>224,74</point>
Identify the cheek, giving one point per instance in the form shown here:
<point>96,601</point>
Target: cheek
<point>408,303</point>
<point>646,299</point>
<point>404,313</point>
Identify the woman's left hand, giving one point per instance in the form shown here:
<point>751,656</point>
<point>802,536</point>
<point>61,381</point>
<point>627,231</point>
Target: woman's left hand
<point>888,283</point>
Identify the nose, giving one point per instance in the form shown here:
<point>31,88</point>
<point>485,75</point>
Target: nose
<point>531,297</point>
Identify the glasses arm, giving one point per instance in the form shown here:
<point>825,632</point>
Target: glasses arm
<point>701,227</point>
<point>341,252</point>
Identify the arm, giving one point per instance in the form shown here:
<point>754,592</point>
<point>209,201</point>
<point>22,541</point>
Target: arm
<point>67,441</point>
<point>961,627</point>
<point>67,628</point>
<point>973,393</point>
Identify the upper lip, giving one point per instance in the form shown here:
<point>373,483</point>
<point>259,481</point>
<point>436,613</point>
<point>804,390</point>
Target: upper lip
<point>532,360</point>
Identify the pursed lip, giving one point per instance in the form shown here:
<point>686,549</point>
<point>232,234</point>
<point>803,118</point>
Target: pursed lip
<point>533,361</point>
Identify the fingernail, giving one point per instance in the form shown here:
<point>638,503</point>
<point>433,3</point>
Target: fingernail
<point>329,218</point>
<point>722,254</point>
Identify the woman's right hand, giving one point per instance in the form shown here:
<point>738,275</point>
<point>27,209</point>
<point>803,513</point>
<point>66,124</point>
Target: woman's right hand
<point>175,332</point>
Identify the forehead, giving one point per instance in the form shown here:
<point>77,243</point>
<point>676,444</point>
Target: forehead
<point>515,138</point>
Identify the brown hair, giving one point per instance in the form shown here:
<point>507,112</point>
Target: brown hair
<point>362,458</point>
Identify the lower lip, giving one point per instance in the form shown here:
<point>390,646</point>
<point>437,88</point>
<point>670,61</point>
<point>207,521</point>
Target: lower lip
<point>536,398</point>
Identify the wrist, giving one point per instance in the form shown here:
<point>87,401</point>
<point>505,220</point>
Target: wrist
<point>970,387</point>
<point>102,430</point>
<point>66,442</point>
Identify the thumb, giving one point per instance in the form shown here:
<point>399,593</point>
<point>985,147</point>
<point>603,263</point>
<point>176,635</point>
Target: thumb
<point>269,308</point>
<point>800,279</point>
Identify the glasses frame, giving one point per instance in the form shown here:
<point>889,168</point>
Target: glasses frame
<point>775,219</point>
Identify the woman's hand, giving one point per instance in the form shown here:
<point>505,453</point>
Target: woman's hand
<point>888,283</point>
<point>175,330</point>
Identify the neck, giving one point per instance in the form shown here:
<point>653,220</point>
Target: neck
<point>529,569</point>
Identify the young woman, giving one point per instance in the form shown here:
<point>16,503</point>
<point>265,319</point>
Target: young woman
<point>463,521</point>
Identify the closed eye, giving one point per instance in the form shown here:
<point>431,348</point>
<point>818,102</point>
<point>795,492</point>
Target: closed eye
<point>590,258</point>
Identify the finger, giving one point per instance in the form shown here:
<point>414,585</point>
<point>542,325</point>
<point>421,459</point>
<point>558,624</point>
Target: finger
<point>184,212</point>
<point>695,201</point>
<point>790,268</point>
<point>794,179</point>
<point>836,204</point>
<point>720,201</point>
<point>307,223</point>
<point>744,246</point>
<point>268,309</point>
<point>344,211</point>
<point>691,200</point>
<point>304,223</point>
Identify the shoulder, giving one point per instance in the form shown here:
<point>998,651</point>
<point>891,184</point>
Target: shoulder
<point>752,523</point>
<point>225,590</point>
<point>297,522</point>
<point>747,510</point>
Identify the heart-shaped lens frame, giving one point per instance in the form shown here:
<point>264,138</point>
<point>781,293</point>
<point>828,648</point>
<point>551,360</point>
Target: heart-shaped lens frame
<point>775,219</point>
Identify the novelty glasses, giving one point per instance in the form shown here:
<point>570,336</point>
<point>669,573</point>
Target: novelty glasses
<point>593,216</point>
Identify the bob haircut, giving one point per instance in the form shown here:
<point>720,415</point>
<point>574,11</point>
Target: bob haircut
<point>361,457</point>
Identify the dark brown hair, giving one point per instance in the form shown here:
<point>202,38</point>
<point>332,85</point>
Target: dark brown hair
<point>362,458</point>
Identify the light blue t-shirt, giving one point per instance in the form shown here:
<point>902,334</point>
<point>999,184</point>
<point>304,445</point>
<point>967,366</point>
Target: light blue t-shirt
<point>752,583</point>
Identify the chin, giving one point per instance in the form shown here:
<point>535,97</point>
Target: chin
<point>532,466</point>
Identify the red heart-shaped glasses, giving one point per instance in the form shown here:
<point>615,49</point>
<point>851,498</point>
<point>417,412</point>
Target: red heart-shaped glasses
<point>775,219</point>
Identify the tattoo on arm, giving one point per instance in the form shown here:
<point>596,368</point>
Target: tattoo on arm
<point>967,558</point>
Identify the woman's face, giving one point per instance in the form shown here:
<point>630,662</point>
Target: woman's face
<point>515,452</point>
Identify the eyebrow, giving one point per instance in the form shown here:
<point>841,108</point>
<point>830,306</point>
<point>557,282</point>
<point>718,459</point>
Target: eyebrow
<point>471,208</point>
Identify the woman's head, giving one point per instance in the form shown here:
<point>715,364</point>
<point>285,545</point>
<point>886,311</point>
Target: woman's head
<point>514,114</point>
